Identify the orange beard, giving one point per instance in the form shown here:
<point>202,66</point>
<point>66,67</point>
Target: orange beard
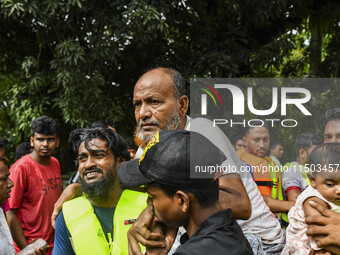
<point>138,141</point>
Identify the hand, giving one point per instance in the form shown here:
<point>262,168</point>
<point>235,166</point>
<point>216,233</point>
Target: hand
<point>143,231</point>
<point>319,252</point>
<point>69,193</point>
<point>327,224</point>
<point>40,251</point>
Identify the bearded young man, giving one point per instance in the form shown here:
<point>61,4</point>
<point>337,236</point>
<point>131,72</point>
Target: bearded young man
<point>97,222</point>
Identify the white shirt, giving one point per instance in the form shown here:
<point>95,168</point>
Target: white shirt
<point>6,242</point>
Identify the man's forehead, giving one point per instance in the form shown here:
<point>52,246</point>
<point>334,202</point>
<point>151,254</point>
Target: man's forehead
<point>155,81</point>
<point>39,135</point>
<point>93,144</point>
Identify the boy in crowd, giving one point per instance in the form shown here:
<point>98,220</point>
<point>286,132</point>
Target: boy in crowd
<point>38,185</point>
<point>179,200</point>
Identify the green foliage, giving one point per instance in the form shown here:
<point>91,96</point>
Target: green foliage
<point>78,61</point>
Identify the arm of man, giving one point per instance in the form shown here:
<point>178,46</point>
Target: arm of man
<point>71,191</point>
<point>278,206</point>
<point>16,229</point>
<point>233,195</point>
<point>324,227</point>
<point>62,242</point>
<point>293,194</point>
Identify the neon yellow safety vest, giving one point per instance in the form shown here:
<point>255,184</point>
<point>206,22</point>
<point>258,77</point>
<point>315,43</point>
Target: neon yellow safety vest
<point>284,216</point>
<point>87,236</point>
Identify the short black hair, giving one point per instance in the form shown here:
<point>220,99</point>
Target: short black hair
<point>325,155</point>
<point>247,128</point>
<point>103,124</point>
<point>114,141</point>
<point>329,115</point>
<point>236,138</point>
<point>305,141</point>
<point>274,144</point>
<point>5,161</point>
<point>206,195</point>
<point>45,125</point>
<point>22,149</point>
<point>3,142</point>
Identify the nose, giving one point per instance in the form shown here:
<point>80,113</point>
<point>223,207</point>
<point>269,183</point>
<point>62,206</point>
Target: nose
<point>45,143</point>
<point>90,162</point>
<point>145,111</point>
<point>337,189</point>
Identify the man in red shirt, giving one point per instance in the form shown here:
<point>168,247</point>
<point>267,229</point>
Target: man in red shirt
<point>38,185</point>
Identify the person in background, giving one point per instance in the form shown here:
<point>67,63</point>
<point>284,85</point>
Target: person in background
<point>294,176</point>
<point>3,143</point>
<point>238,143</point>
<point>331,125</point>
<point>132,149</point>
<point>38,186</point>
<point>276,152</point>
<point>22,150</point>
<point>257,141</point>
<point>104,123</point>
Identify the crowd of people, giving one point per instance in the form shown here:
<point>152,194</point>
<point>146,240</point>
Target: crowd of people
<point>127,198</point>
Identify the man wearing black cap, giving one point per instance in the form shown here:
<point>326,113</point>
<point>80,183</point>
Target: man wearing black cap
<point>179,200</point>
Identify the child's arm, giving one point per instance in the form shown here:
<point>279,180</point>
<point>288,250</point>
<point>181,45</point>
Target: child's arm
<point>310,211</point>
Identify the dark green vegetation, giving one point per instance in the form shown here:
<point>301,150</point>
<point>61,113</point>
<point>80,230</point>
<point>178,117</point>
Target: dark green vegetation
<point>78,61</point>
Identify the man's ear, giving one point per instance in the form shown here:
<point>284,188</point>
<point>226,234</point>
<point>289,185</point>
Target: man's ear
<point>183,201</point>
<point>183,104</point>
<point>58,142</point>
<point>31,141</point>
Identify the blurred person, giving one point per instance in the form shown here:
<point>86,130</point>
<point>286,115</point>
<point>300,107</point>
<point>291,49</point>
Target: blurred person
<point>104,123</point>
<point>276,152</point>
<point>3,143</point>
<point>257,141</point>
<point>22,150</point>
<point>238,143</point>
<point>294,176</point>
<point>38,185</point>
<point>6,241</point>
<point>331,125</point>
<point>132,149</point>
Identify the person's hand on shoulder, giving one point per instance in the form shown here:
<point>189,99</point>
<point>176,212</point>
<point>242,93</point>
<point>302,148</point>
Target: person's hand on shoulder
<point>71,191</point>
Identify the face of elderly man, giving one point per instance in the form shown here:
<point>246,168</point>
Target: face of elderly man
<point>156,107</point>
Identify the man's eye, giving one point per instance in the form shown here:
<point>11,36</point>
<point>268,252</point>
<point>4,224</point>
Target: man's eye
<point>136,104</point>
<point>330,185</point>
<point>50,139</point>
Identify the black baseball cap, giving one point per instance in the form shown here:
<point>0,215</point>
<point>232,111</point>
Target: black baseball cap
<point>168,159</point>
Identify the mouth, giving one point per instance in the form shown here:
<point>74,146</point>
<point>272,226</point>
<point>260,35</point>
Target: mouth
<point>44,150</point>
<point>148,126</point>
<point>92,175</point>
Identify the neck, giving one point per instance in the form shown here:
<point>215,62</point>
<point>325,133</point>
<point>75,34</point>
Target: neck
<point>45,161</point>
<point>113,198</point>
<point>300,161</point>
<point>183,122</point>
<point>198,215</point>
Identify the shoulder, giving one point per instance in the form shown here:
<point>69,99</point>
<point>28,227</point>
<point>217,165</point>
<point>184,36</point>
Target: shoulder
<point>22,162</point>
<point>55,161</point>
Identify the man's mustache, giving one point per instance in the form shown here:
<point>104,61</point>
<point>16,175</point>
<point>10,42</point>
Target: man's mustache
<point>146,121</point>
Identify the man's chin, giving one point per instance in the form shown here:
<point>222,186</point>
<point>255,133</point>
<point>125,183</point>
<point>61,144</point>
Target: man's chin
<point>142,138</point>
